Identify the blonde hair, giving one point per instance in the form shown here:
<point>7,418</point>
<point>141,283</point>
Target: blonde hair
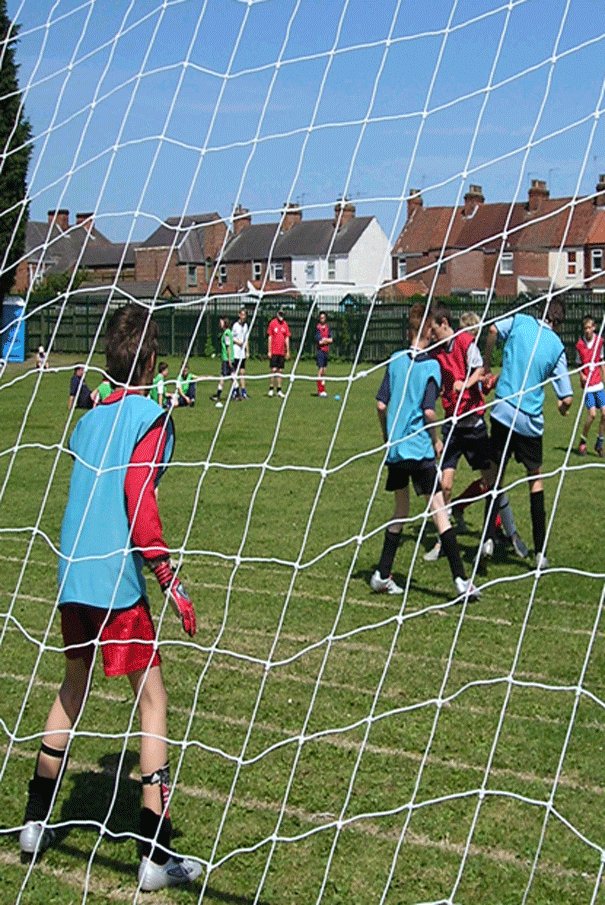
<point>469,319</point>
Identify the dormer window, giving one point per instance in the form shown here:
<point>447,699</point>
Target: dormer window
<point>402,268</point>
<point>506,262</point>
<point>596,260</point>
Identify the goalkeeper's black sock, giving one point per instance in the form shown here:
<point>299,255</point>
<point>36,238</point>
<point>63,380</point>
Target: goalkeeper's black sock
<point>538,520</point>
<point>449,546</point>
<point>158,828</point>
<point>389,549</point>
<point>42,788</point>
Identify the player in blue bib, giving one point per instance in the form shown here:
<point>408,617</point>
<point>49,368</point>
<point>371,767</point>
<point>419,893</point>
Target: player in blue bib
<point>406,411</point>
<point>111,528</point>
<point>533,356</point>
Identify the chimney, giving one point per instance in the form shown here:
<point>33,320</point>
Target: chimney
<point>241,219</point>
<point>538,192</point>
<point>414,201</point>
<point>343,212</point>
<point>473,198</point>
<point>85,220</point>
<point>600,198</point>
<point>60,217</point>
<point>291,216</point>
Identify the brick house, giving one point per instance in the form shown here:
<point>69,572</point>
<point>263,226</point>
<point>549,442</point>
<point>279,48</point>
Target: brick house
<point>182,252</point>
<point>547,241</point>
<point>331,256</point>
<point>57,246</point>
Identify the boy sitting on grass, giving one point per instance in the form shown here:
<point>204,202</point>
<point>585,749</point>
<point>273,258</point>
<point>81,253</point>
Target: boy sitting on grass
<point>111,528</point>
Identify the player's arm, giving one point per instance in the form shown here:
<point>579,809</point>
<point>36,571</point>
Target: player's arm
<point>269,343</point>
<point>288,344</point>
<point>382,403</point>
<point>145,523</point>
<point>562,385</point>
<point>429,403</point>
<point>490,345</point>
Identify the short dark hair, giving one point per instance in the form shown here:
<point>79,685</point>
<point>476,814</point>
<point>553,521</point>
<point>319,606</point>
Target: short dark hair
<point>130,342</point>
<point>553,311</point>
<point>587,320</point>
<point>418,313</point>
<point>225,320</point>
<point>440,313</point>
<point>163,366</point>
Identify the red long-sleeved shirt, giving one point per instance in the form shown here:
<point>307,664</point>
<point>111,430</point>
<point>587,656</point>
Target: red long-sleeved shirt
<point>140,487</point>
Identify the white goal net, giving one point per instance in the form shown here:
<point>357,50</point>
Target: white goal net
<point>327,743</point>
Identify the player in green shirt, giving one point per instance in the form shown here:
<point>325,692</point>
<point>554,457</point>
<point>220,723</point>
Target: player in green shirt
<point>185,387</point>
<point>158,390</point>
<point>226,359</point>
<point>102,392</point>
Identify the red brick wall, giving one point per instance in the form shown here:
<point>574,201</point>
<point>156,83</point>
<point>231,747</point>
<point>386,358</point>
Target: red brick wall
<point>150,265</point>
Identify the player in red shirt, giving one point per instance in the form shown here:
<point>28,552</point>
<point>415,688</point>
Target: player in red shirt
<point>278,333</point>
<point>323,340</point>
<point>465,431</point>
<point>589,353</point>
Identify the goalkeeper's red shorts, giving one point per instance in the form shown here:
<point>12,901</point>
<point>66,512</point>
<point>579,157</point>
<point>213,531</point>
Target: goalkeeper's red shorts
<point>127,636</point>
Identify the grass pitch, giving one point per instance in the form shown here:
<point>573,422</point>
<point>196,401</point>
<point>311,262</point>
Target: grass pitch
<point>327,744</point>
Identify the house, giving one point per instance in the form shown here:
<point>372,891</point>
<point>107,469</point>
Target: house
<point>517,248</point>
<point>57,246</point>
<point>329,257</point>
<point>182,252</point>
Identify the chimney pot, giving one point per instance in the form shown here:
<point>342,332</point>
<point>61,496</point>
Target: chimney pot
<point>343,212</point>
<point>414,201</point>
<point>86,220</point>
<point>473,198</point>
<point>538,192</point>
<point>291,216</point>
<point>241,219</point>
<point>60,217</point>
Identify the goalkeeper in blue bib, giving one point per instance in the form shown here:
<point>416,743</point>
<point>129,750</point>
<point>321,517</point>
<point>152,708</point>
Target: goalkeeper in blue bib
<point>111,529</point>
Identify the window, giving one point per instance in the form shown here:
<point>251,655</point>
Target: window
<point>331,267</point>
<point>506,262</point>
<point>310,272</point>
<point>222,273</point>
<point>257,270</point>
<point>596,260</point>
<point>191,275</point>
<point>277,271</point>
<point>571,264</point>
<point>402,268</point>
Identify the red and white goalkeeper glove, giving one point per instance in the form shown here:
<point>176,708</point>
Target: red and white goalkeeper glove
<point>178,596</point>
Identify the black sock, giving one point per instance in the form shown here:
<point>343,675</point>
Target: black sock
<point>389,549</point>
<point>490,515</point>
<point>449,546</point>
<point>149,831</point>
<point>538,520</point>
<point>42,789</point>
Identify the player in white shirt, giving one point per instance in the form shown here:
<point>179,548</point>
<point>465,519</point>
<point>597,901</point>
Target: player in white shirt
<point>241,351</point>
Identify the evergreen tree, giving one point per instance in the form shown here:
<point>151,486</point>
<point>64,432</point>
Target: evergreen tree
<point>15,132</point>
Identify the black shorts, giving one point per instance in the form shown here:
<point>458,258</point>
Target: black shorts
<point>226,369</point>
<point>423,473</point>
<point>239,365</point>
<point>526,450</point>
<point>471,442</point>
<point>277,362</point>
<point>321,358</point>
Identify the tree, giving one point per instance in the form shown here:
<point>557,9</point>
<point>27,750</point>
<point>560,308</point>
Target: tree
<point>15,153</point>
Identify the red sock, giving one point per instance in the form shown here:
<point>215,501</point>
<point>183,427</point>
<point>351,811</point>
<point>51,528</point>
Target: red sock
<point>321,387</point>
<point>465,498</point>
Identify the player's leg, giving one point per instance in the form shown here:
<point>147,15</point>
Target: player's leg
<point>382,580</point>
<point>538,514</point>
<point>280,372</point>
<point>447,482</point>
<point>449,543</point>
<point>272,380</point>
<point>601,436</point>
<point>158,868</point>
<point>591,412</point>
<point>242,379</point>
<point>52,757</point>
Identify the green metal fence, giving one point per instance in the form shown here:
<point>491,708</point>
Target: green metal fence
<point>74,328</point>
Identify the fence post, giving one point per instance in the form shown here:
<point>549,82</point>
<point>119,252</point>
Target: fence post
<point>172,327</point>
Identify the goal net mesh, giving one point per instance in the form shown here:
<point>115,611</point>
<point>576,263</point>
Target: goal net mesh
<point>327,744</point>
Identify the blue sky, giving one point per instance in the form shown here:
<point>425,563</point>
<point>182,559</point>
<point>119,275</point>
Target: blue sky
<point>145,109</point>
